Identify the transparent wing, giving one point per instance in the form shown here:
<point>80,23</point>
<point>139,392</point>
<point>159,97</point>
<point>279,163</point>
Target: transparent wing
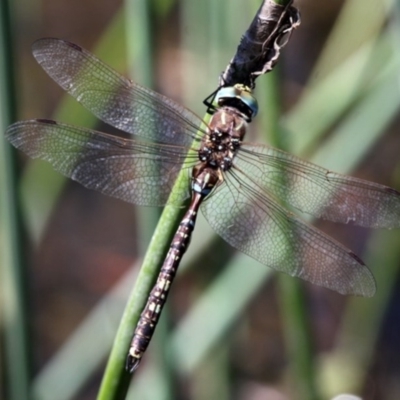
<point>259,227</point>
<point>140,173</point>
<point>113,98</point>
<point>317,191</point>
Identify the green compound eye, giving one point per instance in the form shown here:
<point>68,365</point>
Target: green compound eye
<point>238,93</point>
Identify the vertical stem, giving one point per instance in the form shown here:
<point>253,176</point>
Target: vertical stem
<point>140,53</point>
<point>12,267</point>
<point>298,338</point>
<point>141,21</point>
<point>292,300</point>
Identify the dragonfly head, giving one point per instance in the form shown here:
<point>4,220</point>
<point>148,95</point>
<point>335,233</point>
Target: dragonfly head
<point>239,97</point>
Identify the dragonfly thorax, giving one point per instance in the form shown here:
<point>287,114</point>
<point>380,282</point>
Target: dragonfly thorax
<point>225,133</point>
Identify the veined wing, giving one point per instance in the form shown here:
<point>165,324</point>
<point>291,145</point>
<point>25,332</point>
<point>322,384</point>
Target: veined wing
<point>317,191</point>
<point>113,98</point>
<point>259,227</point>
<point>138,172</point>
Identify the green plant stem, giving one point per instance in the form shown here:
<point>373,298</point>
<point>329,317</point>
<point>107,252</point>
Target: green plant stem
<point>12,266</point>
<point>297,334</point>
<point>295,320</point>
<point>116,380</point>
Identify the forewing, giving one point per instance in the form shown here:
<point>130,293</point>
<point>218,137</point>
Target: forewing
<point>113,98</point>
<point>140,173</point>
<point>259,227</point>
<point>317,191</point>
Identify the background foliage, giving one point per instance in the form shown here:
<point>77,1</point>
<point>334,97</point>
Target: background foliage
<point>233,329</point>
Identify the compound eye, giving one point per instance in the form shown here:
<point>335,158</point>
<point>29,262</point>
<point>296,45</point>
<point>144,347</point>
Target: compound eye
<point>238,93</point>
<point>250,102</point>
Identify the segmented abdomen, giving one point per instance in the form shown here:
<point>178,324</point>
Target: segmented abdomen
<point>158,295</point>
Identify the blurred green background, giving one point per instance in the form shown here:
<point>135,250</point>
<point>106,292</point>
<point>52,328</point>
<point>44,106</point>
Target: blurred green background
<point>232,328</point>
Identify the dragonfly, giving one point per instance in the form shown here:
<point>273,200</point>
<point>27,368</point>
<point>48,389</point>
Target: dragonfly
<point>241,187</point>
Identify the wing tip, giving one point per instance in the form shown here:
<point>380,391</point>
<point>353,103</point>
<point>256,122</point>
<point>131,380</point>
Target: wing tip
<point>365,287</point>
<point>392,191</point>
<point>356,258</point>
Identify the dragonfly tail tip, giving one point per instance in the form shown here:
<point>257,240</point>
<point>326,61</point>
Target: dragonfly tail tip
<point>132,363</point>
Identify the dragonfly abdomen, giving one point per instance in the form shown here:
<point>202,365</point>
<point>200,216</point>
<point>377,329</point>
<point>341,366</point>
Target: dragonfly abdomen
<point>158,295</point>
